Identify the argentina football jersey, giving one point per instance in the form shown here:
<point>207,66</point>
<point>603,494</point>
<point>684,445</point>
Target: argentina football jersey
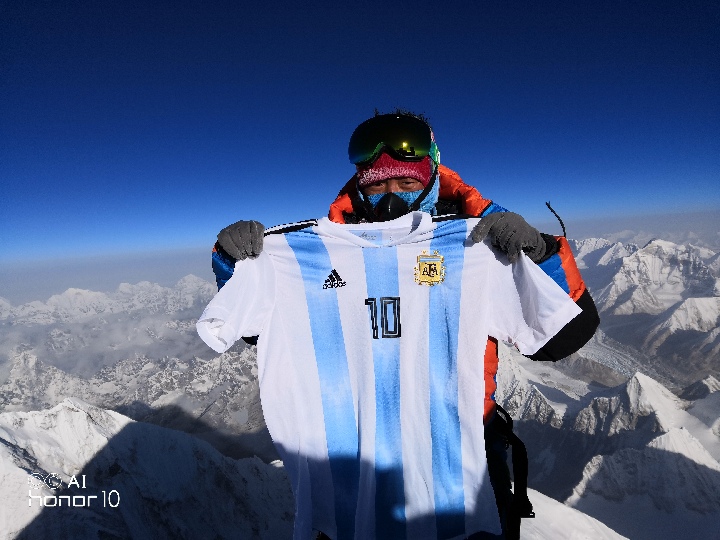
<point>370,363</point>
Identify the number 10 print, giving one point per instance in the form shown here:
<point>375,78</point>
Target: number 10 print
<point>389,316</point>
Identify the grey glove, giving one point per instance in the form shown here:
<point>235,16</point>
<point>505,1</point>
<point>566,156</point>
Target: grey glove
<point>242,239</point>
<point>510,233</point>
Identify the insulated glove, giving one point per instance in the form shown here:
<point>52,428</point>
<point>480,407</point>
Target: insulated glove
<point>242,239</point>
<point>510,233</point>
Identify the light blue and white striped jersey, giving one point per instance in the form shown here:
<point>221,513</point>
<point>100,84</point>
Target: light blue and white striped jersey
<point>370,359</point>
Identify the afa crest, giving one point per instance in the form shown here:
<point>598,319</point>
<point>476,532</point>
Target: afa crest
<point>430,269</point>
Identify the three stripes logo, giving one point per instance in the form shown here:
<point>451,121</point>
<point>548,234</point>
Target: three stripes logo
<point>333,281</point>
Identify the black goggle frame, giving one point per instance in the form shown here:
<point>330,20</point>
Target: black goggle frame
<point>404,137</point>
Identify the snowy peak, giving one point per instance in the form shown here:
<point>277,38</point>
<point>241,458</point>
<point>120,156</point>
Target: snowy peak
<point>647,396</point>
<point>79,301</point>
<point>75,429</point>
<point>656,277</point>
<point>599,252</point>
<point>692,315</point>
<point>673,459</point>
<point>521,397</point>
<point>680,441</point>
<point>82,331</point>
<point>31,384</point>
<point>642,400</point>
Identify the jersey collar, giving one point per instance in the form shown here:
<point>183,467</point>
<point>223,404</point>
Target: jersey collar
<point>419,224</point>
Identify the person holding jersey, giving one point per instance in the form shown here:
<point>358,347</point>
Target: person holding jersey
<point>398,171</point>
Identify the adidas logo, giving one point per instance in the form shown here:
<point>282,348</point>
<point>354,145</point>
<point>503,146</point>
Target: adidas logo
<point>333,281</point>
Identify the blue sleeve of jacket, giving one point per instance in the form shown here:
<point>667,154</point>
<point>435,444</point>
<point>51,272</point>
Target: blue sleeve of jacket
<point>223,266</point>
<point>492,209</point>
<point>553,267</point>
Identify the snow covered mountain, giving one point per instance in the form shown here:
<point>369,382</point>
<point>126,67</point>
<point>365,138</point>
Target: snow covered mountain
<point>636,456</point>
<point>578,434</point>
<point>662,299</point>
<point>78,471</point>
<point>658,277</point>
<point>77,305</point>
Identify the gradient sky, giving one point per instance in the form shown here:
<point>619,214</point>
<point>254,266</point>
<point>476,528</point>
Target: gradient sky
<point>144,125</point>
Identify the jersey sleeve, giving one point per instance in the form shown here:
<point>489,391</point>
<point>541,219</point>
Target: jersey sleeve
<point>242,307</point>
<point>529,307</point>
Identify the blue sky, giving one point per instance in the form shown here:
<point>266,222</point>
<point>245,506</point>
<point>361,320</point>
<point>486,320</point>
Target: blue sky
<point>130,126</point>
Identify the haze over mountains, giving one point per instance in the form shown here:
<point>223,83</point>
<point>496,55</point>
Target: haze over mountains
<point>34,277</point>
<point>627,430</point>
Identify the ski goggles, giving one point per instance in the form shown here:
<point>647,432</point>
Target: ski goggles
<point>405,138</point>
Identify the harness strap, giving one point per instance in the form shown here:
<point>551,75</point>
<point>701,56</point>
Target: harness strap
<point>521,506</point>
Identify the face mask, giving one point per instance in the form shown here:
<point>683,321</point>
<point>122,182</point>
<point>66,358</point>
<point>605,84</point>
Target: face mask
<point>389,206</point>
